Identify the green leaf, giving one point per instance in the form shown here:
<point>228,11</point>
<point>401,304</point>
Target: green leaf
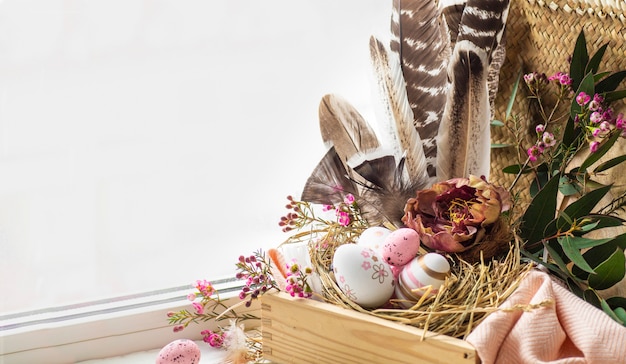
<point>621,315</point>
<point>610,163</point>
<point>604,148</point>
<point>499,145</point>
<point>617,301</point>
<point>584,243</point>
<point>612,96</point>
<point>599,254</point>
<point>594,62</point>
<point>604,221</point>
<point>558,256</point>
<point>574,253</point>
<point>496,123</point>
<point>509,106</point>
<point>592,297</point>
<point>607,309</point>
<point>515,168</point>
<point>571,133</point>
<point>610,83</point>
<point>569,187</point>
<point>598,76</point>
<point>609,272</point>
<point>584,205</point>
<point>540,212</point>
<point>580,58</point>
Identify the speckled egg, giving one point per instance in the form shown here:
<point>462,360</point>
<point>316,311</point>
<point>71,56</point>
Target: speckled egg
<point>427,270</point>
<point>401,246</point>
<point>180,351</point>
<point>362,275</point>
<point>374,238</point>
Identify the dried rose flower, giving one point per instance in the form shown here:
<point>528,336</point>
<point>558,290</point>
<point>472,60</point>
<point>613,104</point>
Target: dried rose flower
<point>454,215</point>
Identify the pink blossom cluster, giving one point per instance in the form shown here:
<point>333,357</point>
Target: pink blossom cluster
<point>545,140</point>
<point>297,284</point>
<point>343,210</point>
<point>292,219</point>
<point>258,279</point>
<point>205,288</point>
<point>215,339</point>
<point>561,78</point>
<point>597,119</point>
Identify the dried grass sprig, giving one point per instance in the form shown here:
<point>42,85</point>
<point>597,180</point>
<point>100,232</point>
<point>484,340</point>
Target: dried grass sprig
<point>468,295</point>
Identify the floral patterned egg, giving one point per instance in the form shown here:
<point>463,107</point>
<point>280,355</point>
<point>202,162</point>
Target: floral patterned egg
<point>363,275</point>
<point>374,237</point>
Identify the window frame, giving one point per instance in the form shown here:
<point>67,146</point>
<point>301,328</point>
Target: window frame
<point>107,328</point>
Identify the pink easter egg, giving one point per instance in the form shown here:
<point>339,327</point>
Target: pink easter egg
<point>424,273</point>
<point>401,246</point>
<point>180,351</point>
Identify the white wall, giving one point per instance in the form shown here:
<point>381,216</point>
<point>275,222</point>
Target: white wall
<point>146,144</point>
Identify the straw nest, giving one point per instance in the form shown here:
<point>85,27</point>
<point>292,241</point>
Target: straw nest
<point>469,294</point>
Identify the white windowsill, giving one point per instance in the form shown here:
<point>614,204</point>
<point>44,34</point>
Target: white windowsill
<point>126,330</point>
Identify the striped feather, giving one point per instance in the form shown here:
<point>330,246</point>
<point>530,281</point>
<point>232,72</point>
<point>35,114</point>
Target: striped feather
<point>420,39</point>
<point>464,133</point>
<point>452,11</point>
<point>398,127</point>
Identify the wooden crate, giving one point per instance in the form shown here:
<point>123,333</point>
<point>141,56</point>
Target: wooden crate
<point>308,331</point>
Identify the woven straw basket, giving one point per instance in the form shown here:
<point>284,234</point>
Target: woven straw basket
<point>540,37</point>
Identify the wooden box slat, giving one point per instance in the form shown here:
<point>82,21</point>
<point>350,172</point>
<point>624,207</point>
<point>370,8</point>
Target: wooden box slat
<point>308,331</point>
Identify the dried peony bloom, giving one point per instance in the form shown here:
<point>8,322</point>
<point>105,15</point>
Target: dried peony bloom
<point>454,215</point>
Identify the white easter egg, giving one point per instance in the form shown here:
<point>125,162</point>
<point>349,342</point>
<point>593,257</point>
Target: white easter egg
<point>430,269</point>
<point>374,237</point>
<point>362,275</point>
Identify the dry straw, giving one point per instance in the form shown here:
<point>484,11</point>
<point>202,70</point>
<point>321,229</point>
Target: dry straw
<point>469,294</point>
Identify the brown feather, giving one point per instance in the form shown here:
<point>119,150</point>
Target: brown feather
<point>421,40</point>
<point>465,130</point>
<point>343,127</point>
<point>402,137</point>
<point>329,182</point>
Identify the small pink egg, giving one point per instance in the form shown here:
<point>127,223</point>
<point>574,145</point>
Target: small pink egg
<point>180,351</point>
<point>401,246</point>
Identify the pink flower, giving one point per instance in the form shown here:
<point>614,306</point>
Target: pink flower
<point>191,296</point>
<point>565,79</point>
<point>215,340</point>
<point>595,117</point>
<point>178,328</point>
<point>343,218</point>
<point>598,98</point>
<point>205,287</point>
<point>198,307</point>
<point>349,199</point>
<point>548,138</point>
<point>533,153</point>
<point>540,128</point>
<point>583,99</point>
<point>596,132</point>
<point>605,126</point>
<point>328,208</point>
<point>453,215</point>
<point>593,146</point>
